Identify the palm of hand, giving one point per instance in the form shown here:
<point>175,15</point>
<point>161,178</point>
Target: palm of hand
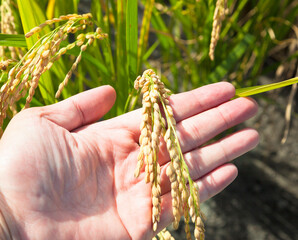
<point>78,179</point>
<point>71,180</point>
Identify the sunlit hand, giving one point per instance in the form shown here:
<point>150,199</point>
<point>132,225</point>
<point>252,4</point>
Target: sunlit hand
<point>65,176</point>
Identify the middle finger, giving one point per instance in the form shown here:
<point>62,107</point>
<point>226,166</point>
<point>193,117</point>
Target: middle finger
<point>197,130</point>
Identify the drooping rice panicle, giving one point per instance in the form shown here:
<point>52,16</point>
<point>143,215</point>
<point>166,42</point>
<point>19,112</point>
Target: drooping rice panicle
<point>149,140</point>
<point>184,192</point>
<point>89,38</point>
<point>23,78</point>
<point>220,12</point>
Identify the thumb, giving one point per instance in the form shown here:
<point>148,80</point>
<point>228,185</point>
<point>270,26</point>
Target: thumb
<point>81,109</point>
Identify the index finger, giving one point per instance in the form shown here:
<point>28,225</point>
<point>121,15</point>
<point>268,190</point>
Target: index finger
<point>185,104</point>
<point>201,99</point>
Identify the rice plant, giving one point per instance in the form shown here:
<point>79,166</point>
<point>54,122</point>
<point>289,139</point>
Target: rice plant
<point>23,78</point>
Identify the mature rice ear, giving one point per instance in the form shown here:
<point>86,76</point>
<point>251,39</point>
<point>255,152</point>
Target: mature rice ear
<point>184,192</point>
<point>220,12</point>
<point>25,75</point>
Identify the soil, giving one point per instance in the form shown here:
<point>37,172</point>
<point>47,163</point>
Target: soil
<point>262,203</point>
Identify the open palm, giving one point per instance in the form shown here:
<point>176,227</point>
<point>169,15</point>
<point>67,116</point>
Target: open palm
<point>65,176</point>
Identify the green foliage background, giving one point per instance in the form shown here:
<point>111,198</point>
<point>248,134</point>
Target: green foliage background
<point>173,37</point>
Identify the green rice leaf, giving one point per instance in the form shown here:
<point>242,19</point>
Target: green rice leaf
<point>144,35</point>
<point>244,92</point>
<point>230,61</point>
<point>75,5</point>
<point>163,35</point>
<point>121,67</point>
<point>13,40</point>
<point>31,16</point>
<point>65,7</point>
<point>148,53</point>
<point>51,9</point>
<point>132,38</point>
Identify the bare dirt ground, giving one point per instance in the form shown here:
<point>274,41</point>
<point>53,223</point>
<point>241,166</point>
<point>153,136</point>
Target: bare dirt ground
<point>262,203</point>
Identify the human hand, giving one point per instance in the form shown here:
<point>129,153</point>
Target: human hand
<point>65,176</point>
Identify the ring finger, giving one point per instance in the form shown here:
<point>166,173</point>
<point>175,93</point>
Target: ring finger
<point>203,160</point>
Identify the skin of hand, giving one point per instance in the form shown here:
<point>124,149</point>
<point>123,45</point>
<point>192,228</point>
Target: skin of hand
<point>63,175</point>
